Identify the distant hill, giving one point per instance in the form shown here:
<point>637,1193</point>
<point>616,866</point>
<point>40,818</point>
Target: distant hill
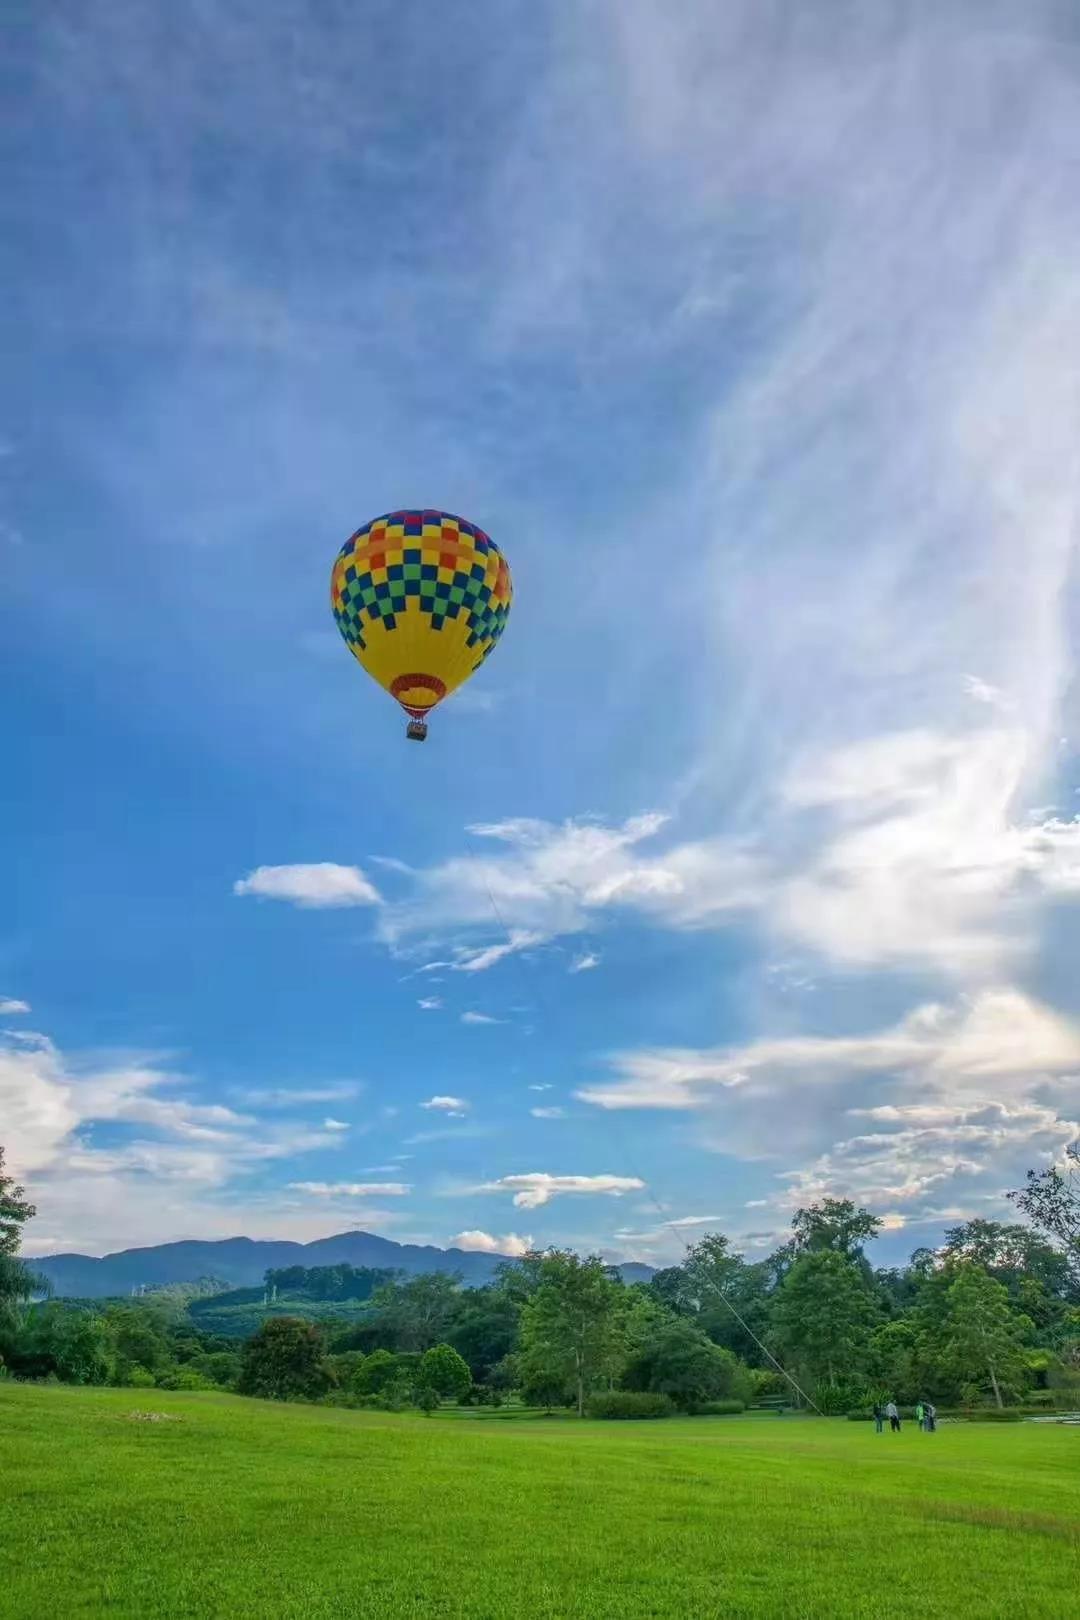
<point>242,1261</point>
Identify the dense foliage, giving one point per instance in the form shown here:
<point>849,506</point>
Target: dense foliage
<point>990,1317</point>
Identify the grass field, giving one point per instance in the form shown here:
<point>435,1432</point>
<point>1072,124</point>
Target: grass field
<point>245,1508</point>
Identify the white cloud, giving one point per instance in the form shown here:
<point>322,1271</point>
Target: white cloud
<point>479,1018</point>
<point>583,963</point>
<point>692,1220</point>
<point>548,1113</point>
<point>330,1124</point>
<point>961,1100</point>
<point>9,1006</point>
<point>446,1105</point>
<point>284,1097</point>
<point>540,1088</point>
<point>352,1189</point>
<point>548,879</point>
<point>430,1003</point>
<point>477,1242</point>
<point>537,1188</point>
<point>173,1167</point>
<point>992,1036</point>
<point>479,960</point>
<point>320,884</point>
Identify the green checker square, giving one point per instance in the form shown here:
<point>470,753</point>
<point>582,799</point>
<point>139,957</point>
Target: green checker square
<point>411,570</point>
<point>368,594</point>
<point>457,594</point>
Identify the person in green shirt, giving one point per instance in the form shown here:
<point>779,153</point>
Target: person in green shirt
<point>919,1414</point>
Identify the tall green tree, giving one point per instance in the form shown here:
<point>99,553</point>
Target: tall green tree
<point>15,1211</point>
<point>823,1315</point>
<point>573,1326</point>
<point>837,1225</point>
<point>980,1336</point>
<point>17,1281</point>
<point>418,1311</point>
<point>284,1360</point>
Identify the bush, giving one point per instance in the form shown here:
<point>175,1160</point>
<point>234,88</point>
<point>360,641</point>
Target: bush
<point>719,1408</point>
<point>1009,1415</point>
<point>180,1378</point>
<point>628,1403</point>
<point>136,1377</point>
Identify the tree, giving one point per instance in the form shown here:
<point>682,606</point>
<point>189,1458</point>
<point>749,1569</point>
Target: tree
<point>835,1224</point>
<point>427,1399</point>
<point>444,1371</point>
<point>980,1336</point>
<point>284,1360</point>
<point>572,1328</point>
<point>484,1329</point>
<point>678,1360</point>
<point>14,1211</point>
<point>1012,1254</point>
<point>1051,1200</point>
<point>375,1372</point>
<point>824,1314</point>
<point>17,1281</point>
<point>418,1312</point>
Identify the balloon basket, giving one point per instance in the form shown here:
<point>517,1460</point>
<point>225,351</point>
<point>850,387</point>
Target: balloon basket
<point>416,730</point>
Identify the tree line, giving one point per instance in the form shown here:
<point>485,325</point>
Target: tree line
<point>992,1316</point>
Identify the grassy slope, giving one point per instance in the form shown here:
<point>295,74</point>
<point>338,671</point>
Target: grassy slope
<point>243,1508</point>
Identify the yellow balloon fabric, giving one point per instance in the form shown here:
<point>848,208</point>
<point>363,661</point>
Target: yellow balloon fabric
<point>421,598</point>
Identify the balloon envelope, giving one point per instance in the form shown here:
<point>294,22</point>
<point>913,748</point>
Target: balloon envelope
<point>421,598</point>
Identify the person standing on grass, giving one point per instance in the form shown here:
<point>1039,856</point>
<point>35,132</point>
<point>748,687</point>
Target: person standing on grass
<point>879,1418</point>
<point>893,1414</point>
<point>930,1416</point>
<point>920,1413</point>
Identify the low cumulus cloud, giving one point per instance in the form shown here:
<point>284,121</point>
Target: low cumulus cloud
<point>533,1190</point>
<point>319,885</point>
<point>9,1006</point>
<point>477,1242</point>
<point>446,1105</point>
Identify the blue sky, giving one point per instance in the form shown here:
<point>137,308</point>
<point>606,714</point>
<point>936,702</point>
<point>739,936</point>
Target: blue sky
<point>751,856</point>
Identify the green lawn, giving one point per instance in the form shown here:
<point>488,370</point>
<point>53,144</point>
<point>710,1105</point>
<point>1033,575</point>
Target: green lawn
<point>247,1508</point>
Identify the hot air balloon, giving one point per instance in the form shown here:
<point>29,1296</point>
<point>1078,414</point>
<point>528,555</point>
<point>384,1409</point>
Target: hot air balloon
<point>421,598</point>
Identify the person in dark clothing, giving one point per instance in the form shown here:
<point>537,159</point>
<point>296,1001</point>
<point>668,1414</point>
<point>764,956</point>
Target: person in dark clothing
<point>879,1418</point>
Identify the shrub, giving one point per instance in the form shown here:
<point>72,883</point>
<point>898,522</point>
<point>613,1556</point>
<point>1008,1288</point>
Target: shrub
<point>719,1408</point>
<point>136,1377</point>
<point>629,1403</point>
<point>180,1378</point>
<point>427,1399</point>
<point>1009,1415</point>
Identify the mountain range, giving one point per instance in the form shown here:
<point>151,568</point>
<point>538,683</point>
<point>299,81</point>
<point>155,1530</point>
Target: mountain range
<point>241,1262</point>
